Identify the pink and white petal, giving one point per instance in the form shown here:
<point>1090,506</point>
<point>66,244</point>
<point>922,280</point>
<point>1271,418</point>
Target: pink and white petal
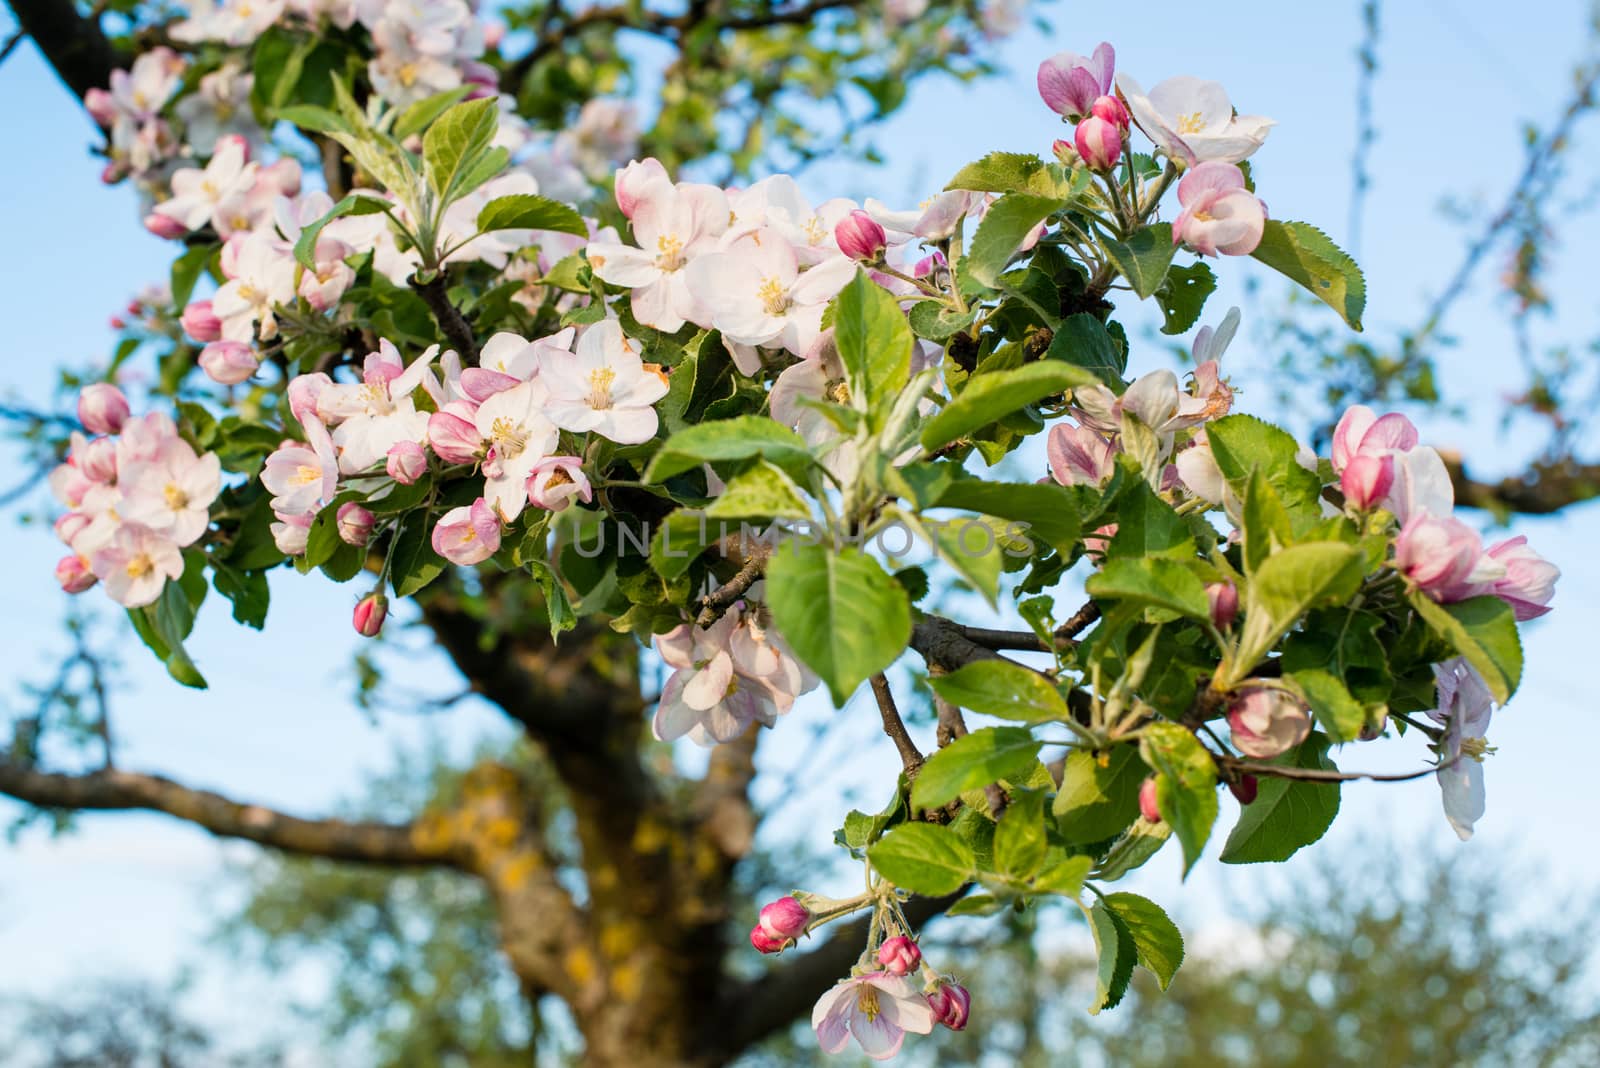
<point>628,426</point>
<point>1209,177</point>
<point>656,305</point>
<point>673,718</point>
<point>880,1037</point>
<point>622,265</point>
<point>830,1017</point>
<point>709,685</point>
<point>1204,104</point>
<point>821,283</point>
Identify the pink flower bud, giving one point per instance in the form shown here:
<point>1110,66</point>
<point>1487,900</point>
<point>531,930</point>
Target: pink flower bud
<point>1147,800</point>
<point>784,918</point>
<point>468,535</point>
<point>1366,481</point>
<point>765,943</point>
<point>1244,788</point>
<point>164,226</point>
<point>555,481</point>
<point>369,614</point>
<point>861,237</point>
<point>1224,599</point>
<point>1441,556</point>
<point>951,1004</point>
<point>899,955</point>
<point>117,322</point>
<point>291,533</point>
<point>632,180</point>
<point>97,459</point>
<point>1113,111</point>
<point>102,107</point>
<point>1361,432</point>
<point>200,322</point>
<point>1530,580</point>
<point>1267,722</point>
<point>303,392</point>
<point>407,462</point>
<point>73,573</point>
<point>1098,142</point>
<point>102,408</point>
<point>70,525</point>
<point>228,362</point>
<point>453,435</point>
<point>1066,152</point>
<point>354,523</point>
<point>234,141</point>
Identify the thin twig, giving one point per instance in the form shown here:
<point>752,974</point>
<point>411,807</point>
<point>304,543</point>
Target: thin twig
<point>1279,771</point>
<point>895,727</point>
<point>716,603</point>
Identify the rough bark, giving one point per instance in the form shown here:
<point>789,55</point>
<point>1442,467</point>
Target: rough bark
<point>73,45</point>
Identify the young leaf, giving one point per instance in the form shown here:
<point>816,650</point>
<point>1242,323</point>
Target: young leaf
<point>972,762</point>
<point>1019,839</point>
<point>1148,526</point>
<point>413,563</point>
<point>761,492</point>
<point>1285,587</point>
<point>1048,511</point>
<point>729,439</point>
<point>874,342</point>
<point>1337,712</point>
<point>305,247</point>
<point>416,117</point>
<point>454,142</point>
<point>1002,688</point>
<point>1144,258</point>
<point>1186,790</point>
<point>1285,814</point>
<point>1305,254</point>
<point>1156,937</point>
<point>1141,842</point>
<point>1484,630</point>
<point>525,211</point>
<point>1095,802</point>
<point>842,615</point>
<point>1151,581</point>
<point>1010,172</point>
<point>1117,953</point>
<point>1242,443</point>
<point>1082,340</point>
<point>1007,224</point>
<point>989,396</point>
<point>923,858</point>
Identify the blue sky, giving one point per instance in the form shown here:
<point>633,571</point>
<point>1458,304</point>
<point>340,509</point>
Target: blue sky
<point>132,894</point>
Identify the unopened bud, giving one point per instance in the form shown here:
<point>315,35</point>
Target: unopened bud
<point>200,322</point>
<point>354,523</point>
<point>102,408</point>
<point>228,363</point>
<point>1266,722</point>
<point>899,955</point>
<point>951,1004</point>
<point>785,918</point>
<point>1244,788</point>
<point>1066,152</point>
<point>861,237</point>
<point>70,525</point>
<point>1099,143</point>
<point>406,462</point>
<point>1366,481</point>
<point>1224,600</point>
<point>97,459</point>
<point>369,614</point>
<point>164,226</point>
<point>73,573</point>
<point>1147,800</point>
<point>1112,110</point>
<point>766,943</point>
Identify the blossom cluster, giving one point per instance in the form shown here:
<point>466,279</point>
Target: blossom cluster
<point>136,496</point>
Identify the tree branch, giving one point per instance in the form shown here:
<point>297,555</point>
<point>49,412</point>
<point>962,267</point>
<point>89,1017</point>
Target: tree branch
<point>895,727</point>
<point>113,790</point>
<point>435,294</point>
<point>1546,487</point>
<point>75,46</point>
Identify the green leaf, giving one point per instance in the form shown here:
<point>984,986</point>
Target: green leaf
<point>937,321</point>
<point>1148,526</point>
<point>1305,254</point>
<point>729,439</point>
<point>1130,852</point>
<point>989,396</point>
<point>874,342</point>
<point>186,271</point>
<point>1242,443</point>
<point>1159,943</point>
<point>843,616</point>
<point>1482,629</point>
<point>305,247</point>
<point>1183,295</point>
<point>1153,582</point>
<point>1285,814</point>
<point>454,143</point>
<point>1002,688</point>
<point>525,211</point>
<point>1019,839</point>
<point>413,563</point>
<point>1265,522</point>
<point>1097,803</point>
<point>993,754</point>
<point>1186,790</point>
<point>761,492</point>
<point>923,858</point>
<point>679,540</point>
<point>168,621</point>
<point>1010,172</point>
<point>1117,954</point>
<point>1286,586</point>
<point>416,117</point>
<point>1144,258</point>
<point>316,119</point>
<point>247,590</point>
<point>1048,511</point>
<point>1082,340</point>
<point>1002,231</point>
<point>1337,712</point>
<point>975,547</point>
<point>1064,876</point>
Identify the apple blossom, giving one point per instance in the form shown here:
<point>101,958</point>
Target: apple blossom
<point>556,481</point>
<point>220,107</point>
<point>1219,213</point>
<point>1266,722</point>
<point>1529,582</point>
<point>860,237</point>
<point>369,614</point>
<point>1444,558</point>
<point>136,565</point>
<point>519,433</point>
<point>260,274</point>
<point>291,533</point>
<point>1421,485</point>
<point>467,535</point>
<point>74,574</point>
<point>228,363</point>
<point>301,478</point>
<point>777,204</point>
<point>1099,143</point>
<point>673,225</point>
<point>1079,455</point>
<point>354,524</point>
<point>1069,84</point>
<point>102,408</point>
<point>951,1004</point>
<point>231,22</point>
<point>726,676</point>
<point>378,414</point>
<point>197,194</point>
<point>1366,481</point>
<point>95,457</point>
<point>453,434</point>
<point>172,495</point>
<point>631,181</point>
<point>877,1009</point>
<point>757,294</point>
<point>69,525</point>
<point>1192,120</point>
<point>405,462</point>
<point>1147,800</point>
<point>603,387</point>
<point>899,955</point>
<point>1464,709</point>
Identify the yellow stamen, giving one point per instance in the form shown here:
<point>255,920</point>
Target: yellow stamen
<point>774,296</point>
<point>509,438</point>
<point>140,566</point>
<point>175,497</point>
<point>867,1001</point>
<point>305,474</point>
<point>669,252</point>
<point>1476,748</point>
<point>600,382</point>
<point>1191,123</point>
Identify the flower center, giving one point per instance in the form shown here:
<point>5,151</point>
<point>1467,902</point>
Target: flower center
<point>140,566</point>
<point>375,395</point>
<point>815,232</point>
<point>867,1001</point>
<point>837,390</point>
<point>1191,123</point>
<point>407,74</point>
<point>248,293</point>
<point>305,474</point>
<point>600,382</point>
<point>1476,748</point>
<point>509,438</point>
<point>176,499</point>
<point>558,477</point>
<point>774,296</point>
<point>669,252</point>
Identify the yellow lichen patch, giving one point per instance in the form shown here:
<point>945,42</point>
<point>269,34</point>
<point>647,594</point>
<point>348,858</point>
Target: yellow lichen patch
<point>502,832</point>
<point>515,872</point>
<point>579,963</point>
<point>431,833</point>
<point>627,982</point>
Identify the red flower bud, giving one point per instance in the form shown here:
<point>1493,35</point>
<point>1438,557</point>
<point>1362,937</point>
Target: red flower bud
<point>1147,801</point>
<point>1098,142</point>
<point>784,918</point>
<point>354,523</point>
<point>369,614</point>
<point>1112,110</point>
<point>951,1004</point>
<point>1244,788</point>
<point>899,955</point>
<point>860,237</point>
<point>1224,599</point>
<point>765,943</point>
